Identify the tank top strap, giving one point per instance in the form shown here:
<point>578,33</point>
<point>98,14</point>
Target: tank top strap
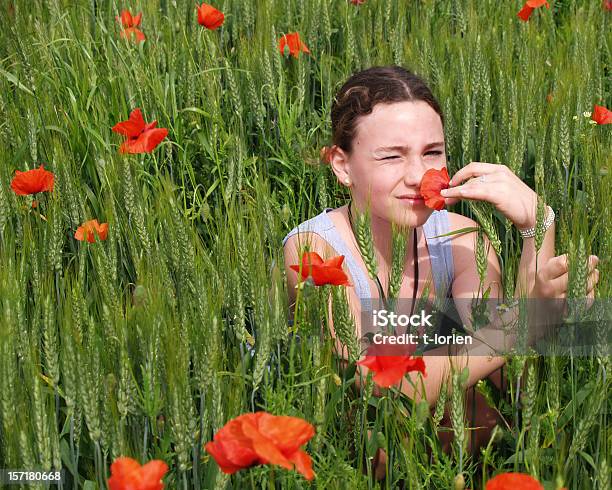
<point>323,226</point>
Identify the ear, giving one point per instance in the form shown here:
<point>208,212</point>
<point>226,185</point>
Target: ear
<point>339,161</point>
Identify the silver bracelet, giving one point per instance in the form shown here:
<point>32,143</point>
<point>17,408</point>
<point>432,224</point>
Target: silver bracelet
<point>530,232</point>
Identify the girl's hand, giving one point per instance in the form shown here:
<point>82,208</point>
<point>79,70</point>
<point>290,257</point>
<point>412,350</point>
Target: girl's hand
<point>551,283</point>
<point>498,185</point>
<point>552,279</point>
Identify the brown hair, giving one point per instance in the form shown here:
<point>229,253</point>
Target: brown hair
<point>363,90</point>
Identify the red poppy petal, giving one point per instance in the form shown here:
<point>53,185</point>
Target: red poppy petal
<point>80,233</point>
<point>512,481</point>
<point>287,433</point>
<point>103,231</point>
<point>416,364</point>
<point>124,466</point>
<point>132,127</point>
<point>312,258</point>
<point>303,463</point>
<point>216,451</point>
<point>264,447</point>
<point>389,377</point>
<point>210,17</point>
<point>152,473</point>
<point>136,20</point>
<point>32,181</point>
<point>537,3</point>
<point>601,115</point>
<point>126,18</point>
<point>328,275</point>
<point>334,261</point>
<point>147,141</point>
<point>525,13</point>
<point>235,445</point>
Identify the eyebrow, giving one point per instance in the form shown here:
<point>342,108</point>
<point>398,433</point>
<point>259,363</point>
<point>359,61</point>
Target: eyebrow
<point>402,148</point>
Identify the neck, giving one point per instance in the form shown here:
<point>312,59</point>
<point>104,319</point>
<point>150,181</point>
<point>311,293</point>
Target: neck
<point>383,238</point>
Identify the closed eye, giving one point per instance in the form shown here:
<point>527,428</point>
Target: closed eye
<point>436,152</point>
<point>390,158</point>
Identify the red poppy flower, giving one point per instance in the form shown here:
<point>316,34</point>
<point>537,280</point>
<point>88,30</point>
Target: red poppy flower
<point>528,8</point>
<point>328,272</point>
<point>293,43</point>
<point>601,115</point>
<point>512,481</point>
<point>210,17</point>
<point>130,25</point>
<point>142,138</point>
<point>262,438</point>
<point>89,229</point>
<point>607,4</point>
<point>127,20</point>
<point>390,368</point>
<point>357,2</point>
<point>432,183</point>
<point>127,474</point>
<point>32,181</point>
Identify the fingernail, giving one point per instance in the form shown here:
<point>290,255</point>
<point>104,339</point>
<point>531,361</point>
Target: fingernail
<point>443,192</point>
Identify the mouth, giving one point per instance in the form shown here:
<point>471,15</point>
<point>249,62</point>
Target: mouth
<point>412,199</point>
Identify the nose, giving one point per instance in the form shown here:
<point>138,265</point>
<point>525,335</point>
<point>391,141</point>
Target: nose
<point>413,171</point>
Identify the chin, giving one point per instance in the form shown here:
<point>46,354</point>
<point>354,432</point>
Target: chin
<point>413,219</point>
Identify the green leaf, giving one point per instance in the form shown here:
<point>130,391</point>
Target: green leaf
<point>469,229</point>
<point>13,79</point>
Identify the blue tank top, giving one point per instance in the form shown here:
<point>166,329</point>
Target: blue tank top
<point>440,253</point>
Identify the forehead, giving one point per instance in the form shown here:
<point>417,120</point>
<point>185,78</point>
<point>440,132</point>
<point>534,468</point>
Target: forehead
<point>399,123</point>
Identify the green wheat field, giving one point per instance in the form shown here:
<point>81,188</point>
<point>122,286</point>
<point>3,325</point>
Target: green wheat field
<point>147,343</point>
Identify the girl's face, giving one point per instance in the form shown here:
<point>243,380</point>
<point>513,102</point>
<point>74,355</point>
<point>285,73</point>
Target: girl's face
<point>393,147</point>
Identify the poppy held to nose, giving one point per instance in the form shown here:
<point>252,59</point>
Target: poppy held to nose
<point>529,7</point>
<point>130,25</point>
<point>89,229</point>
<point>141,137</point>
<point>328,272</point>
<point>292,44</point>
<point>262,438</point>
<point>601,115</point>
<point>512,481</point>
<point>432,183</point>
<point>210,17</point>
<point>127,474</point>
<point>32,181</point>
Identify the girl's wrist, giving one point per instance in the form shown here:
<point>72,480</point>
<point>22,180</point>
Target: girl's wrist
<point>530,231</point>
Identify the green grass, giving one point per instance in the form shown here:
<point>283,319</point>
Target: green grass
<point>135,345</point>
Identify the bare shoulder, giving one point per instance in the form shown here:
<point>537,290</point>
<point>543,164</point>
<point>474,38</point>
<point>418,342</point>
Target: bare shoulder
<point>463,244</point>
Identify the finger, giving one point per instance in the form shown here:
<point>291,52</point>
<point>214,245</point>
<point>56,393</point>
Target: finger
<point>555,267</point>
<point>592,280</point>
<point>449,201</point>
<point>593,261</point>
<point>473,191</point>
<point>557,287</point>
<point>473,169</point>
<point>590,300</point>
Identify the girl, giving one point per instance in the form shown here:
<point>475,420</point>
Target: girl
<point>388,130</point>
